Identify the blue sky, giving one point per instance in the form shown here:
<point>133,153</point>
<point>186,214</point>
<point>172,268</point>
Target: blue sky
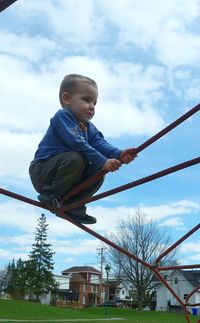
<point>145,56</point>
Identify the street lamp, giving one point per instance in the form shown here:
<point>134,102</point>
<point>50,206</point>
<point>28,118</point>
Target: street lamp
<point>107,269</point>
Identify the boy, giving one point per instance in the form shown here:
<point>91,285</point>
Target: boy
<point>72,150</point>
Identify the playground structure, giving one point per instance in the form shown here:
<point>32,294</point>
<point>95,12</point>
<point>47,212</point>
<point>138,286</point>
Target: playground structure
<point>155,267</point>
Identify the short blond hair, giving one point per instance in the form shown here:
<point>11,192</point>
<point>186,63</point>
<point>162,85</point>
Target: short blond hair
<point>70,82</point>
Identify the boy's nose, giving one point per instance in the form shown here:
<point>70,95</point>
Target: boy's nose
<point>92,106</point>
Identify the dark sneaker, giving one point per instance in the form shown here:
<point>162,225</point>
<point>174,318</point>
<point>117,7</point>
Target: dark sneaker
<point>83,218</point>
<point>51,201</point>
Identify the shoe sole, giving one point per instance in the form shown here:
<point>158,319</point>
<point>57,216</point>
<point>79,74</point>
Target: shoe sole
<point>83,220</point>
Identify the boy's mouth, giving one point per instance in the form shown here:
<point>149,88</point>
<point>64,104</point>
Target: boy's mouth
<point>90,115</point>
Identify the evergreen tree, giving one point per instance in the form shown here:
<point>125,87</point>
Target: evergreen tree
<point>20,278</point>
<point>39,276</point>
<point>11,277</point>
<point>3,280</point>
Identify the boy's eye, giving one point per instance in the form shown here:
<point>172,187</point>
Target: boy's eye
<point>87,99</point>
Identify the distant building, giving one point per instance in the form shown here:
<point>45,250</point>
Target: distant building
<point>87,283</point>
<point>119,291</point>
<point>63,295</point>
<point>183,282</point>
<point>60,294</point>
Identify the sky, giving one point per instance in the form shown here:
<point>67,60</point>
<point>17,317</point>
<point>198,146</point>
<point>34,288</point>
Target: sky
<point>144,56</point>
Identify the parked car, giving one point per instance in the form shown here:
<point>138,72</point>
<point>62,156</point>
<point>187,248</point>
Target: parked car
<point>111,304</point>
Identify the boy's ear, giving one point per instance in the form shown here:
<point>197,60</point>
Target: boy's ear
<point>66,98</point>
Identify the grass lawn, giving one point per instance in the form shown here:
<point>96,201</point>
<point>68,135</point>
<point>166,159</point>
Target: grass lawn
<point>24,310</point>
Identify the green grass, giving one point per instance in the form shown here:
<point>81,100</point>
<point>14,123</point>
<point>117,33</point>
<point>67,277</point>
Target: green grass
<point>22,310</point>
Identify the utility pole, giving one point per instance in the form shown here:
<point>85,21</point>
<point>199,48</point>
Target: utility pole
<point>101,251</point>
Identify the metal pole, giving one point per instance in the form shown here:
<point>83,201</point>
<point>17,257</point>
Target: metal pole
<point>107,295</point>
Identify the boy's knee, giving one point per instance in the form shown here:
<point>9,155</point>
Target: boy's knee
<point>77,158</point>
<point>76,161</point>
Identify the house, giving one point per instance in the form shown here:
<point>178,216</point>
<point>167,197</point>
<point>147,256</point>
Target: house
<point>87,282</point>
<point>123,293</point>
<point>61,293</point>
<point>119,291</point>
<point>182,282</point>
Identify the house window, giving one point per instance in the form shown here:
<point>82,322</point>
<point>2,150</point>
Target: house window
<point>176,280</point>
<point>92,289</point>
<point>97,289</point>
<point>185,296</point>
<point>84,288</point>
<point>84,299</point>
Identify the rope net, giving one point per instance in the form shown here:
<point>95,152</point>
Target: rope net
<point>155,267</point>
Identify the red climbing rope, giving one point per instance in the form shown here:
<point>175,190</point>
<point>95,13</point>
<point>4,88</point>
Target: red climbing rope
<point>138,182</point>
<point>153,267</point>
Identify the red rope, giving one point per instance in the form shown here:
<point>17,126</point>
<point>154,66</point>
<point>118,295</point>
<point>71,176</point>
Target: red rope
<point>130,255</point>
<point>138,182</point>
<point>171,126</point>
<point>22,198</point>
<point>188,234</point>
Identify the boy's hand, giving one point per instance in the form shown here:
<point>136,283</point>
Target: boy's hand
<point>127,155</point>
<point>111,165</point>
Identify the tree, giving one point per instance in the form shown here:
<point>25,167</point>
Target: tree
<point>146,240</point>
<point>39,276</point>
<point>3,280</point>
<point>15,280</point>
<point>11,276</point>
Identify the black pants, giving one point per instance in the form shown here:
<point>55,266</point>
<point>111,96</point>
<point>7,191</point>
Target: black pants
<point>60,173</point>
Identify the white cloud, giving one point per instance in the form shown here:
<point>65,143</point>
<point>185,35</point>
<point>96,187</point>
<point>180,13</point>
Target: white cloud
<point>196,257</point>
<point>69,240</point>
<point>75,247</point>
<point>34,96</point>
<point>31,49</point>
<point>190,251</point>
<point>186,46</point>
<point>159,212</point>
<point>163,26</point>
<point>24,216</point>
<point>74,23</point>
<point>8,255</point>
<point>192,92</point>
<point>5,254</point>
<point>175,222</point>
<point>191,246</point>
<point>28,97</point>
<point>17,152</point>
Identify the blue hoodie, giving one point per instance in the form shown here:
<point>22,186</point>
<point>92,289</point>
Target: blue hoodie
<point>65,134</point>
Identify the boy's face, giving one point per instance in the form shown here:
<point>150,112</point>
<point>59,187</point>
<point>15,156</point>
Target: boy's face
<point>82,102</point>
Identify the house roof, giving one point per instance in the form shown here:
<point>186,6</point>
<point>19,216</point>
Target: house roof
<point>5,3</point>
<point>193,276</point>
<point>81,269</point>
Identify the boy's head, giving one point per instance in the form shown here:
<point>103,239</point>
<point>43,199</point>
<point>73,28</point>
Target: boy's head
<point>79,94</point>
